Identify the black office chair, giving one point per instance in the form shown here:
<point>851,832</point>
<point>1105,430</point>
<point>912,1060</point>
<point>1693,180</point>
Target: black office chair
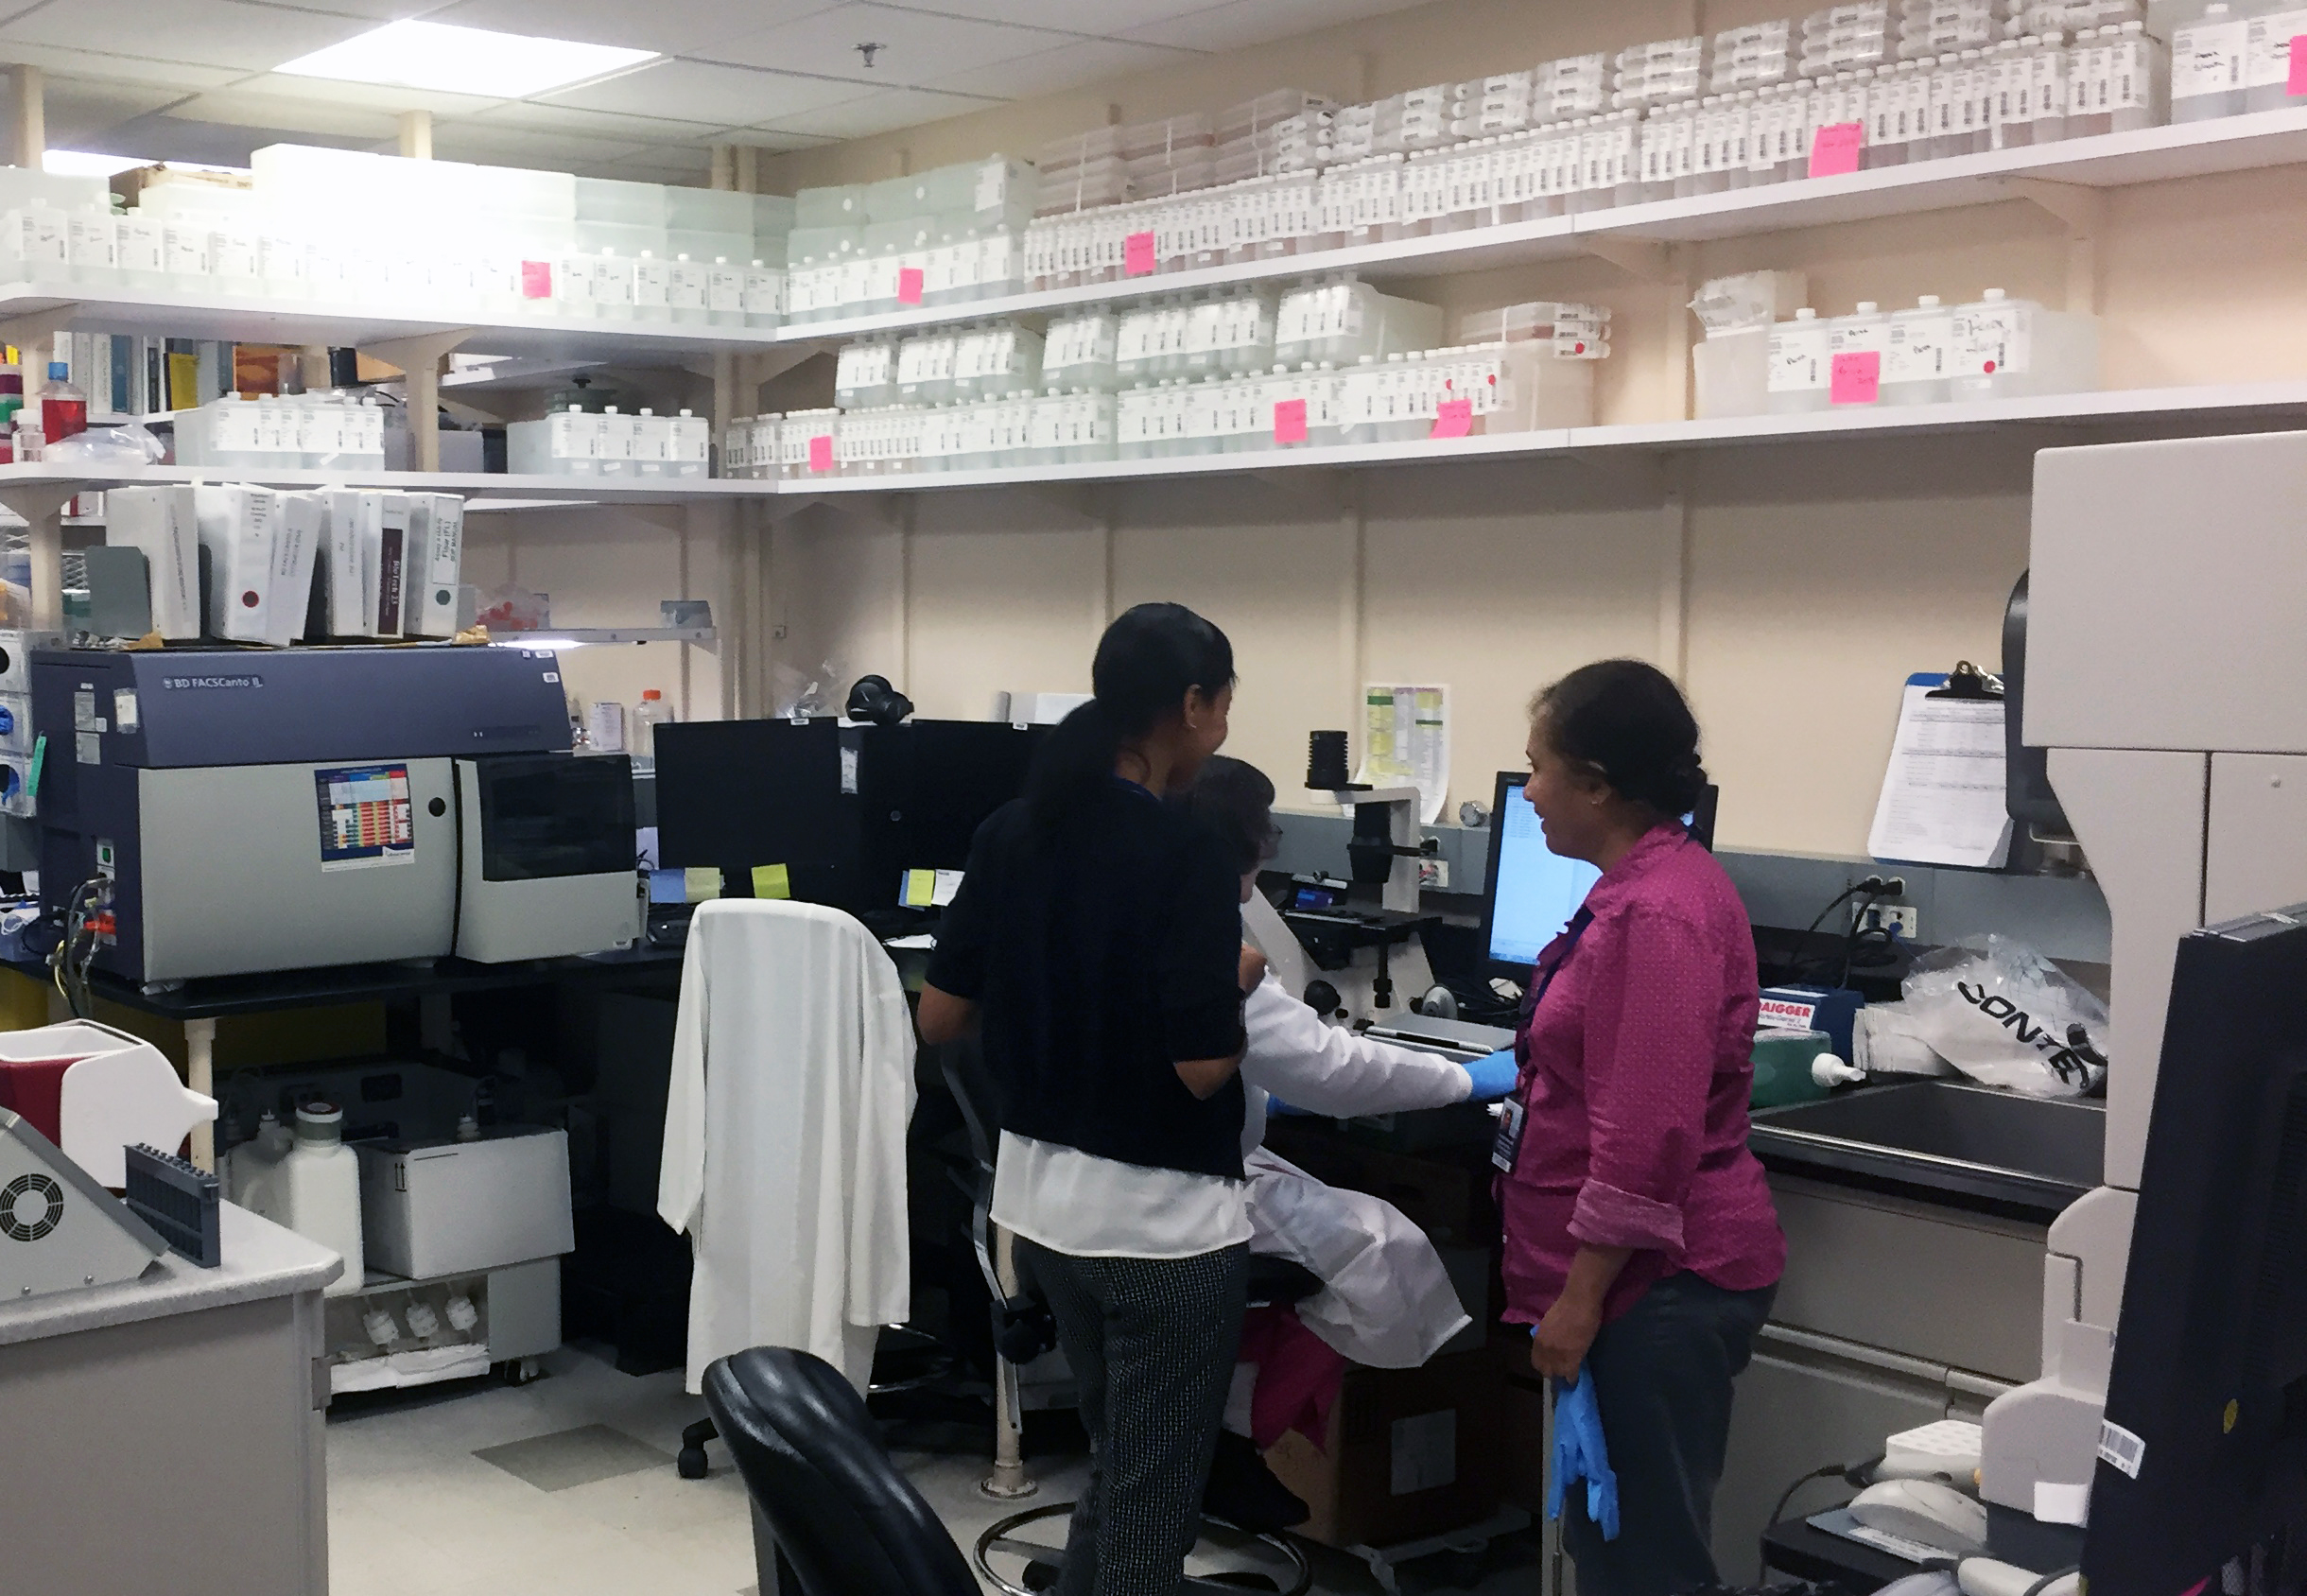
<point>844,1521</point>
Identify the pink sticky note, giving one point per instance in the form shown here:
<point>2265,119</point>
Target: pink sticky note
<point>1137,255</point>
<point>536,279</point>
<point>2295,84</point>
<point>1855,379</point>
<point>821,453</point>
<point>1454,418</point>
<point>1835,149</point>
<point>908,285</point>
<point>1290,421</point>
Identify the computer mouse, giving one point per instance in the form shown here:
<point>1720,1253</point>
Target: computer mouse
<point>1984,1576</point>
<point>1923,1511</point>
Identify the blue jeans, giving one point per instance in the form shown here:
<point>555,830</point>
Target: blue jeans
<point>1662,1376</point>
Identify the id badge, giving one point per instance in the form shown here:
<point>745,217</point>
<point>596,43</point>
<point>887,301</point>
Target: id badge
<point>1508,1146</point>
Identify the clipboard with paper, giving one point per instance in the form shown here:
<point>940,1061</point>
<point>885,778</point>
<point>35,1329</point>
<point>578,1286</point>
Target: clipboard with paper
<point>1944,798</point>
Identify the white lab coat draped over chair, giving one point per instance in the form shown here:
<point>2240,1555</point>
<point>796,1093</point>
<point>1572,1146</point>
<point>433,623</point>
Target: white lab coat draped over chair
<point>785,1134</point>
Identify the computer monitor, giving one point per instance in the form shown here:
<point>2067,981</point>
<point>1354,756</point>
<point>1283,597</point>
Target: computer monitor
<point>2206,1400</point>
<point>1531,892</point>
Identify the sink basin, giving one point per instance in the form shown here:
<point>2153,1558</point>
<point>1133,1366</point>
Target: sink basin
<point>2033,1155</point>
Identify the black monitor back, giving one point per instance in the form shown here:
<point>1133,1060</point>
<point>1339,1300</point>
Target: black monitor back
<point>846,810</point>
<point>2207,1401</point>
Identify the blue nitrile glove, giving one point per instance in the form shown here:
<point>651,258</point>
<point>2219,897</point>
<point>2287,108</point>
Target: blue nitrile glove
<point>1494,1077</point>
<point>1276,1107</point>
<point>1580,1454</point>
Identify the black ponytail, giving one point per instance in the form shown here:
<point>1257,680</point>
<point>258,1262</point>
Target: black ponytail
<point>1147,662</point>
<point>1627,722</point>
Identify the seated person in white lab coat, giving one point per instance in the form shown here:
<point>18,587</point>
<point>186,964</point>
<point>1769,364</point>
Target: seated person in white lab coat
<point>1387,1301</point>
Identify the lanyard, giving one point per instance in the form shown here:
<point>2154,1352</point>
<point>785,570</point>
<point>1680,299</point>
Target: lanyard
<point>1508,1146</point>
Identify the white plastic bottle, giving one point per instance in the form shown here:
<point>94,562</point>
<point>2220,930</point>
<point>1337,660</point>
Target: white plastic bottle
<point>2006,348</point>
<point>319,1183</point>
<point>1799,364</point>
<point>651,713</point>
<point>2050,89</point>
<point>1915,354</point>
<point>252,1170</point>
<point>2208,58</point>
<point>1856,345</point>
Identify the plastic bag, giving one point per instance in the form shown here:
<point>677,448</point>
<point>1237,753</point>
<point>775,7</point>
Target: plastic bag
<point>2006,1017</point>
<point>110,448</point>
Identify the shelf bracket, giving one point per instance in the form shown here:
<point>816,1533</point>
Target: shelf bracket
<point>881,511</point>
<point>785,507</point>
<point>42,505</point>
<point>1637,258</point>
<point>1084,503</point>
<point>38,327</point>
<point>2083,212</point>
<point>419,358</point>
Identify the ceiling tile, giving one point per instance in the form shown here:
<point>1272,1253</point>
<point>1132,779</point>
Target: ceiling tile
<point>1068,66</point>
<point>595,124</point>
<point>916,45</point>
<point>372,10</point>
<point>1107,17</point>
<point>104,66</point>
<point>205,32</point>
<point>224,143</point>
<point>389,97</point>
<point>879,114</point>
<point>519,147</point>
<point>674,29</point>
<point>241,108</point>
<point>770,138</point>
<point>1238,23</point>
<point>77,112</point>
<point>733,96</point>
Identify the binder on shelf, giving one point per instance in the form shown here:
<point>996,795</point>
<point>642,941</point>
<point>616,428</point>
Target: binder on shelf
<point>297,529</point>
<point>162,524</point>
<point>434,565</point>
<point>353,525</point>
<point>391,564</point>
<point>237,532</point>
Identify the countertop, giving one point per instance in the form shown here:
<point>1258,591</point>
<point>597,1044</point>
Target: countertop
<point>261,1261</point>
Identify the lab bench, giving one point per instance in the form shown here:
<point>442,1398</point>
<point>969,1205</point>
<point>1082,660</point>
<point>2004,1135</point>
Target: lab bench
<point>117,1399</point>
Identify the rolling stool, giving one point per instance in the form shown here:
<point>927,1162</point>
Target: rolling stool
<point>1222,1556</point>
<point>904,1361</point>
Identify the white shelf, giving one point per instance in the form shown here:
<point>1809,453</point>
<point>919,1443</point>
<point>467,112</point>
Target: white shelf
<point>2223,403</point>
<point>297,322</point>
<point>2271,138</point>
<point>481,487</point>
<point>608,634</point>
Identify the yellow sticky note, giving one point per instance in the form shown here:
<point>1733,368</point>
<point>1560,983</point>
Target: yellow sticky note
<point>920,888</point>
<point>703,882</point>
<point>771,881</point>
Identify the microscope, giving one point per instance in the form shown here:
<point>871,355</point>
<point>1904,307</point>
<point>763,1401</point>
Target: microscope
<point>1367,956</point>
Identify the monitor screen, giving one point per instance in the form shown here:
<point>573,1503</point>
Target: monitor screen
<point>1533,891</point>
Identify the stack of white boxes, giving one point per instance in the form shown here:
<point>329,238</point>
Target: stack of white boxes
<point>19,741</point>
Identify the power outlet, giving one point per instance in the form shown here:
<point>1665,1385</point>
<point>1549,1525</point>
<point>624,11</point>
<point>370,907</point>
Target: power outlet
<point>1903,918</point>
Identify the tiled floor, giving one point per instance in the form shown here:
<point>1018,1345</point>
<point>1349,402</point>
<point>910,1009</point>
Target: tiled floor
<point>566,1488</point>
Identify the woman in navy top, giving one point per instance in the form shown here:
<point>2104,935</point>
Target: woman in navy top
<point>1097,941</point>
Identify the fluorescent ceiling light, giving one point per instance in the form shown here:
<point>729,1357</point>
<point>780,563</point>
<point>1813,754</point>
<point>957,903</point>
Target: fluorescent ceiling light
<point>81,164</point>
<point>462,61</point>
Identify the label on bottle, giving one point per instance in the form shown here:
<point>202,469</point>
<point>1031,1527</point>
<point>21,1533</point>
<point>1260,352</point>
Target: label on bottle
<point>1798,357</point>
<point>2208,58</point>
<point>2267,49</point>
<point>141,244</point>
<point>92,240</point>
<point>1918,348</point>
<point>1992,339</point>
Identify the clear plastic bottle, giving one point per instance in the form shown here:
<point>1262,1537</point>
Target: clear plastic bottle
<point>2140,91</point>
<point>651,713</point>
<point>319,1181</point>
<point>1799,364</point>
<point>2208,63</point>
<point>1917,354</point>
<point>63,409</point>
<point>252,1170</point>
<point>1862,337</point>
<point>2050,89</point>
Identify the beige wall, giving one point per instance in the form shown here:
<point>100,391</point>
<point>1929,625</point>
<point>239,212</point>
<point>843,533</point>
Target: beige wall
<point>1792,586</point>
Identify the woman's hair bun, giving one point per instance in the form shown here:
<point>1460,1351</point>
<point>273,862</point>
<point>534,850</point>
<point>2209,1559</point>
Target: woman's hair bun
<point>1628,721</point>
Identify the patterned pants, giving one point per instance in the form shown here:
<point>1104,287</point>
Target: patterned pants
<point>1152,1343</point>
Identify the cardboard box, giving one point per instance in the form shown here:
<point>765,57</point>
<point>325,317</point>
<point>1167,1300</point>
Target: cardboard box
<point>457,1207</point>
<point>1410,1453</point>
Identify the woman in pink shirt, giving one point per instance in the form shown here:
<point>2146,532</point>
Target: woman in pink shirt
<point>1641,1238</point>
